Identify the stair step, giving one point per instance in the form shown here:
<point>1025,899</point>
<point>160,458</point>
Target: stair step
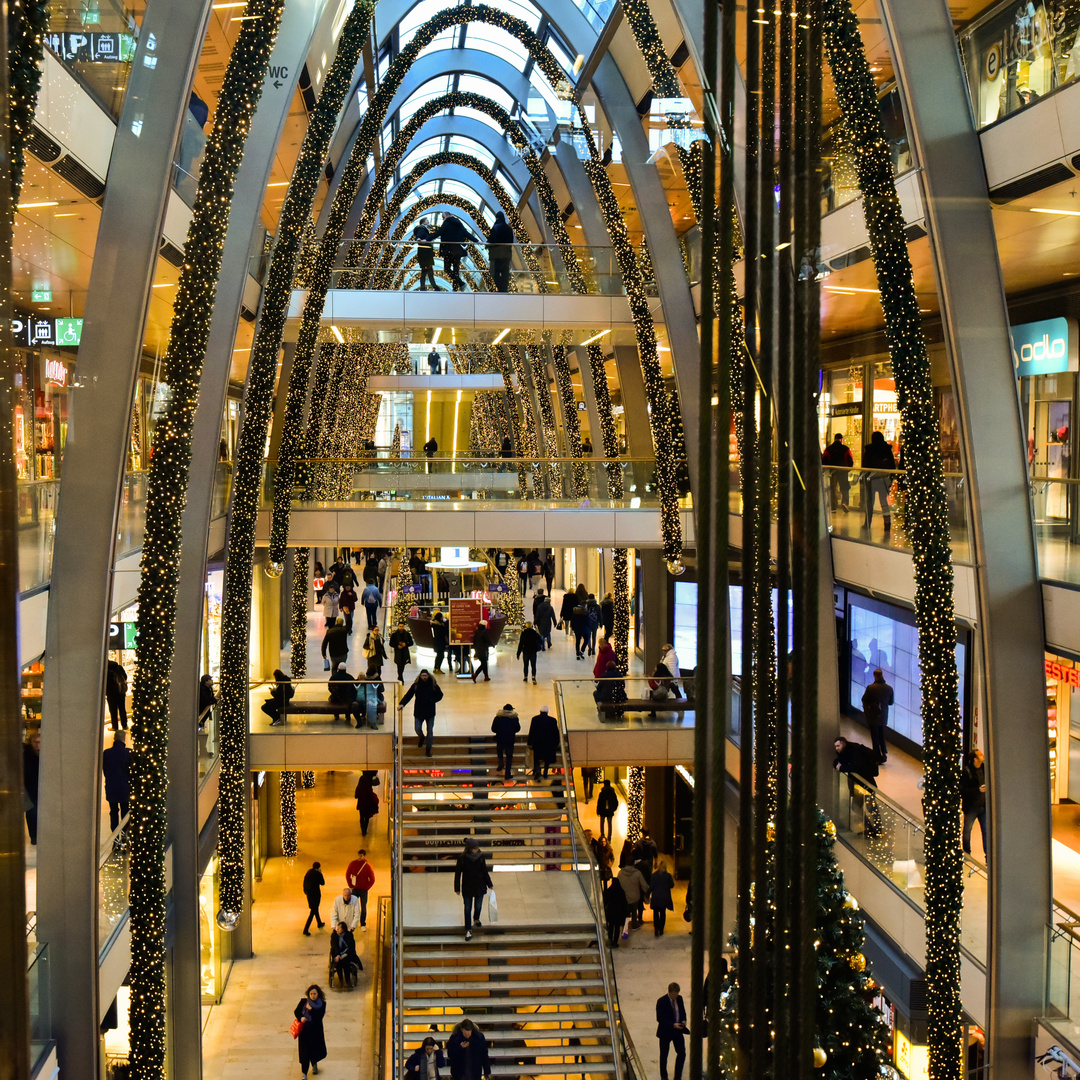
<point>519,953</point>
<point>554,1036</point>
<point>494,1024</point>
<point>495,969</point>
<point>589,1068</point>
<point>451,935</point>
<point>501,988</point>
<point>421,843</point>
<point>464,1004</point>
<point>470,813</point>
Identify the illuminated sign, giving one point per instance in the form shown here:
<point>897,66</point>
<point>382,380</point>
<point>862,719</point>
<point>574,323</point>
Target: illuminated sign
<point>1045,347</point>
<point>56,372</point>
<point>73,47</point>
<point>68,331</point>
<point>912,1061</point>
<point>123,635</point>
<point>847,408</point>
<point>1054,670</point>
<point>33,331</point>
<point>41,296</point>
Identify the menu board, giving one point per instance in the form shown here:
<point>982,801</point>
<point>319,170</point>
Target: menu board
<point>465,616</point>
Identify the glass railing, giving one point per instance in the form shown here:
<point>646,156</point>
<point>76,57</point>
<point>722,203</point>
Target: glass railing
<point>223,476</point>
<point>553,482</point>
<point>890,840</point>
<point>625,703</point>
<point>38,501</point>
<point>870,504</point>
<point>131,525</point>
<point>207,740</point>
<point>1016,54</point>
<point>95,40</point>
<point>1063,973</point>
<point>534,268</point>
<point>37,987</point>
<point>188,160</point>
<point>114,881</point>
<point>312,711</point>
<point>1055,507</point>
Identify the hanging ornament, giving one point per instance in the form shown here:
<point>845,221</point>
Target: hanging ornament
<point>675,567</point>
<point>228,920</point>
<point>275,569</point>
<point>850,902</point>
<point>830,829</point>
<point>770,831</point>
<point>820,1057</point>
<point>857,962</point>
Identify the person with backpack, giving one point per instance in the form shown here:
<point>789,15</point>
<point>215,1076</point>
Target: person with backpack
<point>593,618</point>
<point>453,236</point>
<point>838,457</point>
<point>372,600</point>
<point>607,802</point>
<point>425,257</point>
<point>877,454</point>
<point>579,621</point>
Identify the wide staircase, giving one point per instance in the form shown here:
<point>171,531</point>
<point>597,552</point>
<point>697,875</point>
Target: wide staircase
<point>537,982</point>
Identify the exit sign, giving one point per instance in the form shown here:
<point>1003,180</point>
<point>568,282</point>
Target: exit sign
<point>41,296</point>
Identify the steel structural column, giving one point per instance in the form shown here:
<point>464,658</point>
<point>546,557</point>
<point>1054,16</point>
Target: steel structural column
<point>635,403</point>
<point>140,172</point>
<point>298,23</point>
<point>975,318</point>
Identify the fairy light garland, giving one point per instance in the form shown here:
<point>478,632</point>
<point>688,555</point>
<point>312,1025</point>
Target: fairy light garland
<point>168,482</point>
<point>531,436</point>
<point>28,22</point>
<point>287,783</point>
<point>635,802</point>
<point>547,418</point>
<point>643,27</point>
<point>565,389</point>
<point>928,530</point>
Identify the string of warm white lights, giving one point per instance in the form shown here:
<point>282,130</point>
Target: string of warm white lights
<point>28,22</point>
<point>927,526</point>
<point>564,386</point>
<point>287,783</point>
<point>248,460</point>
<point>161,558</point>
<point>647,36</point>
<point>552,473</point>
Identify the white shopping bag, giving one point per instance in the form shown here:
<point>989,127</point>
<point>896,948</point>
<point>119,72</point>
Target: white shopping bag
<point>493,907</point>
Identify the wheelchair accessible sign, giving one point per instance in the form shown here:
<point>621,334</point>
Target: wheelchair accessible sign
<point>1044,348</point>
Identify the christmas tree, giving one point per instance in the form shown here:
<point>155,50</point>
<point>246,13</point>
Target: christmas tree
<point>852,1038</point>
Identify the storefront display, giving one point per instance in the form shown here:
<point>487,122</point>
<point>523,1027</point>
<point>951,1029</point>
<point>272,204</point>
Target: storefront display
<point>215,946</point>
<point>33,679</point>
<point>1063,726</point>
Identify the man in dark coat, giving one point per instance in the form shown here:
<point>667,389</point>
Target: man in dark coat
<point>453,237</point>
<point>545,621</point>
<point>439,633</point>
<point>671,1027</point>
<point>973,799</point>
<point>425,257</point>
<point>426,692</point>
<point>401,641</point>
<point>335,644</point>
<point>500,245</point>
<point>434,361</point>
<point>471,882</point>
<point>529,644</point>
<point>855,759</point>
<point>481,646</point>
<point>579,622</point>
<point>615,911</point>
<point>281,693</point>
<point>505,727</point>
<point>31,767</point>
<point>876,700</point>
<point>116,764</point>
<point>116,686</point>
<point>544,740</point>
<point>660,898</point>
<point>347,601</point>
<point>877,454</point>
<point>607,802</point>
<point>313,883</point>
<point>343,691</point>
<point>839,457</point>
<point>467,1053</point>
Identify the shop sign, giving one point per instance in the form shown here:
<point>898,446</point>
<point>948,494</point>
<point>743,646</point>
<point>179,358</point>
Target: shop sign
<point>847,408</point>
<point>1045,347</point>
<point>123,635</point>
<point>56,372</point>
<point>498,587</point>
<point>76,46</point>
<point>912,1061</point>
<point>35,331</point>
<point>1054,670</point>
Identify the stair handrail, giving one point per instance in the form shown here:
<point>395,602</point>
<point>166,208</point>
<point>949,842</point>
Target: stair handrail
<point>397,935</point>
<point>592,895</point>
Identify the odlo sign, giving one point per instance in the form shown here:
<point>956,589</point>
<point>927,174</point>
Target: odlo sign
<point>1044,348</point>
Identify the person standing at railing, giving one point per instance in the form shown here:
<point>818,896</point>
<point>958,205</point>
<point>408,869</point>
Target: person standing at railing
<point>207,699</point>
<point>431,448</point>
<point>453,237</point>
<point>500,245</point>
<point>877,454</point>
<point>838,456</point>
<point>425,257</point>
<point>116,765</point>
<point>855,759</point>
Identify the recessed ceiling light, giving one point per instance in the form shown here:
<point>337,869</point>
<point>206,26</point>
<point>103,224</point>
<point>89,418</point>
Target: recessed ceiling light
<point>1046,210</point>
<point>34,205</point>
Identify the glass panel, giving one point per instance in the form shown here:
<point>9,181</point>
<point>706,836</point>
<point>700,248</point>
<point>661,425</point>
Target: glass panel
<point>476,85</point>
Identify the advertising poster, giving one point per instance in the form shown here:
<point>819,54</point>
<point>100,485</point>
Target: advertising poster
<point>465,616</point>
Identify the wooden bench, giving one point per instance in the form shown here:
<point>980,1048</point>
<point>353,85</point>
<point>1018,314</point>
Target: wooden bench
<point>307,707</point>
<point>645,705</point>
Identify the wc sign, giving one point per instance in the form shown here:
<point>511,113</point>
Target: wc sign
<point>1045,348</point>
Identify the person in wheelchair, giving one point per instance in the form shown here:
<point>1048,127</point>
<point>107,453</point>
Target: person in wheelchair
<point>343,959</point>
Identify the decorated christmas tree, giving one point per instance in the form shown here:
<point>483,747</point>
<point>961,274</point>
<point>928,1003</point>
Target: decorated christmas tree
<point>851,1036</point>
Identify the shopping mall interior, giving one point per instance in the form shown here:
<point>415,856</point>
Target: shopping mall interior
<point>656,408</point>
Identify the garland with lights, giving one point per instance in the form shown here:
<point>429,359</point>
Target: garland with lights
<point>565,389</point>
<point>520,400</point>
<point>287,783</point>
<point>547,419</point>
<point>169,474</point>
<point>643,27</point>
<point>850,1034</point>
<point>403,601</point>
<point>298,623</point>
<point>927,521</point>
<point>28,22</point>
<point>660,408</point>
<point>635,802</point>
<point>248,462</point>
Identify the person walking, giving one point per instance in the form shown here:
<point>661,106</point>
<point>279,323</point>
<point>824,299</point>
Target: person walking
<point>566,611</point>
<point>579,621</point>
<point>346,909</point>
<point>838,457</point>
<point>313,883</point>
<point>361,878</point>
<point>116,688</point>
<point>660,898</point>
<point>615,911</point>
<point>500,245</point>
<point>207,699</point>
<point>434,361</point>
<point>31,769</point>
<point>607,802</point>
<point>505,727</point>
<point>374,653</point>
<point>973,800</point>
<point>330,604</point>
<point>311,1042</point>
<point>367,801</point>
<point>467,1052</point>
<point>425,1063</point>
<point>335,645</point>
<point>543,740</point>
<point>453,236</point>
<point>545,622</point>
<point>439,634</point>
<point>425,259</point>
<point>347,602</point>
<point>401,641</point>
<point>607,615</point>
<point>471,882</point>
<point>593,617</point>
<point>116,765</point>
<point>481,647</point>
<point>281,693</point>
<point>523,576</point>
<point>671,1028</point>
<point>877,454</point>
<point>318,581</point>
<point>529,644</point>
<point>426,693</point>
<point>636,889</point>
<point>372,601</point>
<point>549,571</point>
<point>876,699</point>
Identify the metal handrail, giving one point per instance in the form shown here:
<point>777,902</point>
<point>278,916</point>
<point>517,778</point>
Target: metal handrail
<point>105,852</point>
<point>593,894</point>
<point>397,943</point>
<point>423,459</point>
<point>883,472</point>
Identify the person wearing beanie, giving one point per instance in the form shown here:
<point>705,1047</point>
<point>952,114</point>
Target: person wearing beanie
<point>471,882</point>
<point>543,741</point>
<point>505,727</point>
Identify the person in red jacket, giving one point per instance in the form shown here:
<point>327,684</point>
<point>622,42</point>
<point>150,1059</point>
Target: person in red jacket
<point>361,878</point>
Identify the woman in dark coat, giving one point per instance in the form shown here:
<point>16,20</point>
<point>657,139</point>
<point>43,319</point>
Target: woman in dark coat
<point>416,1068</point>
<point>660,898</point>
<point>615,911</point>
<point>481,646</point>
<point>367,801</point>
<point>566,610</point>
<point>311,1042</point>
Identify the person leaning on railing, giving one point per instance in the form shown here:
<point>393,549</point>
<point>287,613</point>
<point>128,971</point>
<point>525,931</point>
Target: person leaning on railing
<point>500,245</point>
